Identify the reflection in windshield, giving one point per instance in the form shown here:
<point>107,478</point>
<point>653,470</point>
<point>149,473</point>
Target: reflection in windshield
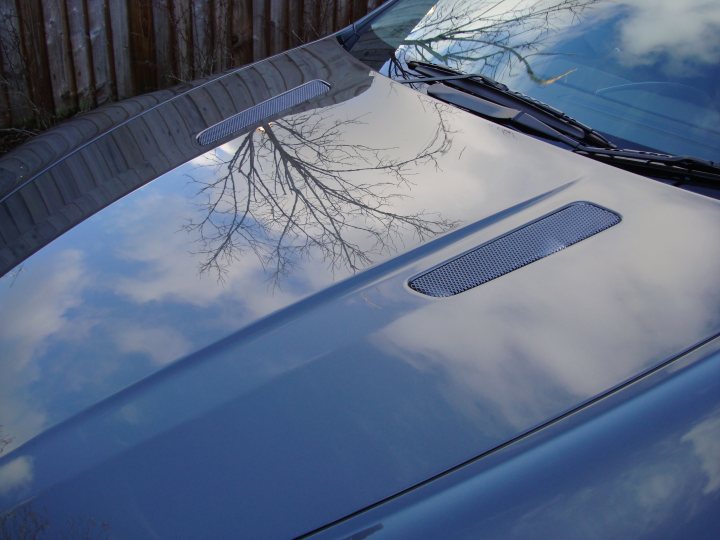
<point>492,39</point>
<point>643,73</point>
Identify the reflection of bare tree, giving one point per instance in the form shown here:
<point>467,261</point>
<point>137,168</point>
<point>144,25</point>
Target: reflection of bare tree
<point>295,185</point>
<point>484,37</point>
<point>4,441</point>
<point>30,523</point>
<point>23,524</point>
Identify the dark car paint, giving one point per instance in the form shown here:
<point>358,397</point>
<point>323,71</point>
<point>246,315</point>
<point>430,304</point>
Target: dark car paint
<point>291,397</point>
<point>641,463</point>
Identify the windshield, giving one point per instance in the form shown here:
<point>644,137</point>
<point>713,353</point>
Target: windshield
<point>642,72</point>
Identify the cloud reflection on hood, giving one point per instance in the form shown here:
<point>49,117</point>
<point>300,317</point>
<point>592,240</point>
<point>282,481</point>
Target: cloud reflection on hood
<point>534,342</point>
<point>131,295</point>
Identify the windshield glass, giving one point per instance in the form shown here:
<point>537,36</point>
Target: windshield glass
<point>643,72</point>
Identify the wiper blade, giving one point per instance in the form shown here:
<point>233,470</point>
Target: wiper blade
<point>680,169</point>
<point>416,80</point>
<point>489,89</point>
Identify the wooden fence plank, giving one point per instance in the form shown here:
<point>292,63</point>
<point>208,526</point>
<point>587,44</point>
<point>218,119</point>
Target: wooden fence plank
<point>165,44</point>
<point>81,55</point>
<point>260,30</point>
<point>60,57</point>
<point>311,20</point>
<point>5,118</point>
<point>222,24</point>
<point>295,21</point>
<point>36,68</point>
<point>241,35</point>
<point>104,85</point>
<point>202,34</point>
<point>12,78</point>
<point>278,26</point>
<point>181,21</point>
<point>120,39</point>
<point>343,13</point>
<point>327,16</point>
<point>142,45</point>
<point>359,8</point>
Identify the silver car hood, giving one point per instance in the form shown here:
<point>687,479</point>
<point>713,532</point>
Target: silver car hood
<point>227,334</point>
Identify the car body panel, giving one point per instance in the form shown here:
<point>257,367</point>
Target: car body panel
<point>641,463</point>
<point>279,390</point>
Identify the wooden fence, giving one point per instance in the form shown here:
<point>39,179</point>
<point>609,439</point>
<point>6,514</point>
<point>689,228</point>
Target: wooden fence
<point>58,57</point>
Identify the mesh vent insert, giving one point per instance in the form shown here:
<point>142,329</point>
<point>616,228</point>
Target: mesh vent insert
<point>262,111</point>
<point>515,249</point>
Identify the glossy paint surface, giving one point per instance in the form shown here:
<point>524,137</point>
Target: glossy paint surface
<point>140,367</point>
<point>640,464</point>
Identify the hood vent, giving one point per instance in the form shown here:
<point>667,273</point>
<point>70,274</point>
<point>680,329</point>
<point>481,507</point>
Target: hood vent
<point>529,243</point>
<point>262,111</point>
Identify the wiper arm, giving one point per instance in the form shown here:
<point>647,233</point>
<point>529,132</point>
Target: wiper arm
<point>499,113</point>
<point>489,89</point>
<point>452,74</point>
<point>680,169</point>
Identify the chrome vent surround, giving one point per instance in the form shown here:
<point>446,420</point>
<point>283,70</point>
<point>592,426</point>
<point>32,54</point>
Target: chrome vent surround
<point>529,243</point>
<point>262,111</point>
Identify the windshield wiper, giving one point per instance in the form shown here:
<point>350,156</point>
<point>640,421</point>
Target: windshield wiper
<point>524,121</point>
<point>491,99</point>
<point>489,89</point>
<point>415,80</point>
<point>443,73</point>
<point>679,169</point>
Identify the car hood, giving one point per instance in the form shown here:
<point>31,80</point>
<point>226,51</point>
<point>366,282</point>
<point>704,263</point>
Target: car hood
<point>196,341</point>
